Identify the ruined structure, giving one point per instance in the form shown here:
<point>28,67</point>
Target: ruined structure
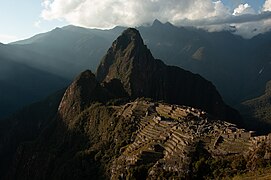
<point>168,135</point>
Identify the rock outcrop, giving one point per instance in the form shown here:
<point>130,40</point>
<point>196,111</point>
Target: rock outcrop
<point>84,90</point>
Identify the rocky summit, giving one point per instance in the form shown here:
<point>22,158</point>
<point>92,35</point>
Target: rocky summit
<point>131,63</point>
<point>136,119</point>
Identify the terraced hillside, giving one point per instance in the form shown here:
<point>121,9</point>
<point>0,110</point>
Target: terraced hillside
<point>140,139</point>
<point>168,138</point>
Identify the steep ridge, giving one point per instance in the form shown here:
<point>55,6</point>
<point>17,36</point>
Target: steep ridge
<point>21,84</point>
<point>257,111</point>
<point>81,93</point>
<point>25,125</point>
<point>66,51</point>
<point>131,62</point>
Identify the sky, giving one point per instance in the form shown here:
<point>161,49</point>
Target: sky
<point>22,19</point>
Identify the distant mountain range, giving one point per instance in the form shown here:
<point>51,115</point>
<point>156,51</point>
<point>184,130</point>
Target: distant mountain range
<point>238,67</point>
<point>21,84</point>
<point>34,68</point>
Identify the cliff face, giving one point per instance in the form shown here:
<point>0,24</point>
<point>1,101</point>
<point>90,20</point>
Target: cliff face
<point>81,93</point>
<point>131,62</point>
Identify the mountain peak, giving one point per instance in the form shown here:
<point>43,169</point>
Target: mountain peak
<point>126,51</point>
<point>84,90</point>
<point>130,35</point>
<point>87,74</point>
<point>131,32</point>
<point>131,63</point>
<point>156,23</point>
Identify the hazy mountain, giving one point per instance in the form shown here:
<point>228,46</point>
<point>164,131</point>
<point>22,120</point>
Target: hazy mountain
<point>21,84</point>
<point>104,127</point>
<point>69,50</point>
<point>232,63</point>
<point>34,68</point>
<point>229,61</point>
<point>25,125</point>
<point>238,67</point>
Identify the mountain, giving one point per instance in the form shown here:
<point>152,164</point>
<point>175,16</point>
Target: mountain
<point>106,126</point>
<point>131,63</point>
<point>231,63</point>
<point>67,51</point>
<point>34,68</point>
<point>257,111</point>
<point>239,68</point>
<point>81,93</point>
<point>21,84</point>
<point>26,125</point>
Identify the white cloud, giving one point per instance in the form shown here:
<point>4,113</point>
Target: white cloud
<point>267,5</point>
<point>248,30</point>
<point>4,38</point>
<point>209,14</point>
<point>108,13</point>
<point>262,25</point>
<point>243,9</point>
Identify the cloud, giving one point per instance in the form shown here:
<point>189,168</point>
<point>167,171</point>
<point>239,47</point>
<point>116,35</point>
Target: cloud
<point>108,13</point>
<point>267,5</point>
<point>243,9</point>
<point>208,14</point>
<point>246,25</point>
<point>244,18</point>
<point>4,38</point>
<point>250,29</point>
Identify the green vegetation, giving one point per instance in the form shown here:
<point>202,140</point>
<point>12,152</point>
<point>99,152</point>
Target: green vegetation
<point>106,132</point>
<point>257,111</point>
<point>259,174</point>
<point>139,171</point>
<point>205,166</point>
